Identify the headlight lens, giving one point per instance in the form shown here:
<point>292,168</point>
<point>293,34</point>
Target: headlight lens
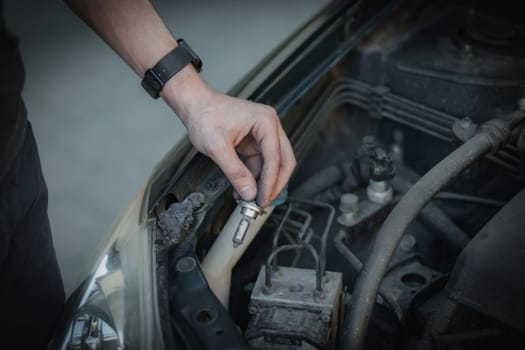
<point>117,306</point>
<point>99,320</point>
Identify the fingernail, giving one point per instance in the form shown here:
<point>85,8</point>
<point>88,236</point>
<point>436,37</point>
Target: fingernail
<point>262,203</point>
<point>247,193</point>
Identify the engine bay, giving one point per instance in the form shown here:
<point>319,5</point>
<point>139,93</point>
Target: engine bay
<point>382,128</point>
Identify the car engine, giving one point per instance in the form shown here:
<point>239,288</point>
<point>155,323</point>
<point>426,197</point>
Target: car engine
<point>403,225</point>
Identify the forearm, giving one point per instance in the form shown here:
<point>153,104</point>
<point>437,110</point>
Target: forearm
<point>131,27</point>
<point>134,30</point>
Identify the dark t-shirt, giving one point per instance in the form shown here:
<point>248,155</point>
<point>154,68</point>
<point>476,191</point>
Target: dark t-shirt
<point>12,111</point>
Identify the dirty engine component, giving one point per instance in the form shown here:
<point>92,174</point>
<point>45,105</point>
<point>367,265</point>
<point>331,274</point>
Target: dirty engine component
<point>290,312</point>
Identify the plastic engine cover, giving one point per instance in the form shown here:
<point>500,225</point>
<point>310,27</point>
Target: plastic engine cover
<point>488,276</point>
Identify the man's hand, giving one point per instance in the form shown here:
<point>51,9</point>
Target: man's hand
<point>224,127</point>
<point>218,125</point>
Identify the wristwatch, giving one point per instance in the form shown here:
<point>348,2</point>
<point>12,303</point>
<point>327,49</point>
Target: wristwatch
<point>155,78</point>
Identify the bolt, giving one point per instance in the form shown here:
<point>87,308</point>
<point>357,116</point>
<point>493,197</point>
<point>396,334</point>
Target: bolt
<point>294,288</point>
<point>252,310</point>
<point>186,264</point>
<point>465,123</point>
<point>407,243</point>
<point>349,206</point>
<point>349,203</point>
<point>210,186</point>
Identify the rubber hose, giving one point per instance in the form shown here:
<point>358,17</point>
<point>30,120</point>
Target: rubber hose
<point>436,219</point>
<point>319,182</point>
<point>327,185</point>
<point>490,137</point>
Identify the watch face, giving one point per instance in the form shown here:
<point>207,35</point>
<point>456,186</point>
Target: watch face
<point>152,84</point>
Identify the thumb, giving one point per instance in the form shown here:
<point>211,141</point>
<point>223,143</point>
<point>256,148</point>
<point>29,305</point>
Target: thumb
<point>237,173</point>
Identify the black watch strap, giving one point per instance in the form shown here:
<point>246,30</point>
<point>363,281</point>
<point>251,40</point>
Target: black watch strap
<point>155,78</point>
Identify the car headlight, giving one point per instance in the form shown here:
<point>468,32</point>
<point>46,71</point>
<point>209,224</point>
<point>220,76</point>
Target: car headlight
<point>116,307</point>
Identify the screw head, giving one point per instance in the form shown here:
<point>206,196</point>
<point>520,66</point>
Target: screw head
<point>408,243</point>
<point>186,264</point>
<point>465,123</point>
<point>325,318</point>
<point>211,187</point>
<point>252,310</point>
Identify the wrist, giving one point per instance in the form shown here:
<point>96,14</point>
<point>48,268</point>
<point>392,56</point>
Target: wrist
<point>156,77</point>
<point>185,91</point>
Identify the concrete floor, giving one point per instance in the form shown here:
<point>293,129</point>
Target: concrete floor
<point>99,133</point>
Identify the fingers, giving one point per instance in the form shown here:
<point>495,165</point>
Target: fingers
<point>287,164</point>
<point>237,173</point>
<point>266,133</point>
<point>252,129</point>
<point>254,164</point>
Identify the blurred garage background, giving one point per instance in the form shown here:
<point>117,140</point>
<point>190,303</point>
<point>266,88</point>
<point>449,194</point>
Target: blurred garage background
<point>99,133</point>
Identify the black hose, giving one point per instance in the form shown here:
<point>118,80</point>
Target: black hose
<point>358,265</point>
<point>435,218</point>
<point>327,184</point>
<point>489,137</point>
<point>319,182</point>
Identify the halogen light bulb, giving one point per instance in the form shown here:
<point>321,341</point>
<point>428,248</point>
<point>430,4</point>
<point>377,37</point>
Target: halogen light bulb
<point>249,212</point>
